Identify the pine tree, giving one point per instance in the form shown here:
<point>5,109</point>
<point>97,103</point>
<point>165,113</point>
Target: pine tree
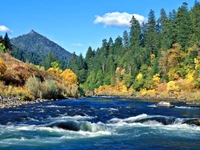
<point>195,17</point>
<point>126,39</point>
<point>165,27</point>
<point>151,43</point>
<point>6,42</point>
<point>183,27</point>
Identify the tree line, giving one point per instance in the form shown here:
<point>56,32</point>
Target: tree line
<point>167,48</point>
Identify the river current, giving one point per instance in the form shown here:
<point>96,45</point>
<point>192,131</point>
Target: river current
<point>98,123</point>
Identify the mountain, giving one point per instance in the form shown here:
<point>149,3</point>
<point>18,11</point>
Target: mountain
<point>37,45</point>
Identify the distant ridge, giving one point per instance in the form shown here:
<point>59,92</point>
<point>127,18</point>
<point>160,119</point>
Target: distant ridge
<point>36,43</point>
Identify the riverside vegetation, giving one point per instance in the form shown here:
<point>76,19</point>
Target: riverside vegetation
<point>27,82</point>
<point>159,58</point>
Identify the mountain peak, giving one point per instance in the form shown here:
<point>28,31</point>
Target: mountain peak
<point>32,32</point>
<point>36,43</point>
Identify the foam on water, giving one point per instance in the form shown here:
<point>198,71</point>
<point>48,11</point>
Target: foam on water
<point>109,109</point>
<point>185,107</point>
<point>137,121</point>
<point>178,107</point>
<point>55,106</point>
<point>73,118</point>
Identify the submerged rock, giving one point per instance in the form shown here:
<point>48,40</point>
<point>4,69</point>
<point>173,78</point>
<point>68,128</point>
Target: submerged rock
<point>165,104</point>
<point>70,125</point>
<point>193,122</point>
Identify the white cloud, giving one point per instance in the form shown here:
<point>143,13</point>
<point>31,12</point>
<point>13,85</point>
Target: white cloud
<point>77,44</point>
<point>118,19</point>
<point>4,29</point>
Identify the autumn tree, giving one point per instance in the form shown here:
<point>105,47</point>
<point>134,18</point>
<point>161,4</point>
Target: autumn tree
<point>69,77</point>
<point>55,68</point>
<point>3,67</point>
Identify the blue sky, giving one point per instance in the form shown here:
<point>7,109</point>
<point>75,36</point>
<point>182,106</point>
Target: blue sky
<point>77,24</point>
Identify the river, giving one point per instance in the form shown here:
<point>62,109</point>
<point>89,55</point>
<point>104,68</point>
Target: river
<point>98,123</point>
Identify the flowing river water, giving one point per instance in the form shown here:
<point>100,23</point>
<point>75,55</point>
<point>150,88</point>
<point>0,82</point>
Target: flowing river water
<point>99,123</point>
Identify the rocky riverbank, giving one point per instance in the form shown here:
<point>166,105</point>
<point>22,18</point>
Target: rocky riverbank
<point>7,102</point>
<point>192,103</point>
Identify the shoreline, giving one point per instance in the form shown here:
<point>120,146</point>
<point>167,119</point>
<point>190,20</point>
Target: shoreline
<point>11,102</point>
<point>191,103</point>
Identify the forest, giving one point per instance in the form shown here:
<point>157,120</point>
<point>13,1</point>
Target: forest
<point>158,58</point>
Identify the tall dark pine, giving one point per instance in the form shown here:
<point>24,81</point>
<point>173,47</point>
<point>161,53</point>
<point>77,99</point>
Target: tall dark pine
<point>105,48</point>
<point>135,33</point>
<point>126,39</point>
<point>165,29</point>
<point>183,27</point>
<point>7,43</point>
<point>195,18</point>
<point>89,54</point>
<point>1,39</point>
<point>172,27</point>
<point>133,62</point>
<point>151,43</point>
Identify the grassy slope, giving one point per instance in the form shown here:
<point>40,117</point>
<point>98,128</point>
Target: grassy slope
<point>18,72</point>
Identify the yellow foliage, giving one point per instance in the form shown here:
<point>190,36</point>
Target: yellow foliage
<point>171,86</point>
<point>3,67</point>
<point>69,77</point>
<point>124,88</point>
<point>139,76</point>
<point>54,71</point>
<point>22,93</point>
<point>119,89</point>
<point>153,56</point>
<point>197,62</point>
<point>190,76</point>
<point>148,92</point>
<point>172,74</point>
<point>156,80</point>
<point>143,91</point>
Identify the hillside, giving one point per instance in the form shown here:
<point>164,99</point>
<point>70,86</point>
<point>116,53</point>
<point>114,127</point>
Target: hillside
<point>36,44</point>
<point>18,72</point>
<point>29,82</point>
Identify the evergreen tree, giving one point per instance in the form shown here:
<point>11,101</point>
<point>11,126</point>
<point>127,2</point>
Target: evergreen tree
<point>48,60</point>
<point>7,43</point>
<point>135,33</point>
<point>134,52</point>
<point>151,43</point>
<point>195,17</point>
<point>165,27</point>
<point>183,27</point>
<point>126,39</point>
<point>1,39</point>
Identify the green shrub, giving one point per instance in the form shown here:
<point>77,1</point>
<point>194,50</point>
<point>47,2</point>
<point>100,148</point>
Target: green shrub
<point>33,85</point>
<point>49,89</point>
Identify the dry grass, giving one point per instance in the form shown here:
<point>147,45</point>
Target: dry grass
<point>18,72</point>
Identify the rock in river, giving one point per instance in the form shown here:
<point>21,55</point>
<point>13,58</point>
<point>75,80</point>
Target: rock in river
<point>193,122</point>
<point>164,104</point>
